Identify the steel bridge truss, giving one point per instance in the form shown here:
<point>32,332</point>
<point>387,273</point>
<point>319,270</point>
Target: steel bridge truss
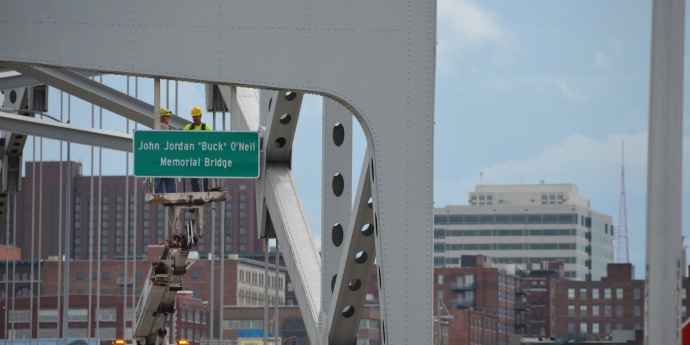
<point>373,61</point>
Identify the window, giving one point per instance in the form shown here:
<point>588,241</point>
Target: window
<point>440,279</point>
<point>50,315</point>
<point>105,275</point>
<point>607,310</point>
<point>77,314</point>
<point>583,310</point>
<point>595,293</point>
<point>607,328</point>
<point>636,310</point>
<point>595,310</point>
<point>571,310</point>
<point>619,310</point>
<point>583,327</point>
<point>20,316</point>
<point>607,293</point>
<point>571,327</point>
<point>80,275</point>
<point>619,293</point>
<point>49,333</point>
<point>636,293</point>
<point>571,293</point>
<point>583,293</point>
<point>595,327</point>
<point>109,314</point>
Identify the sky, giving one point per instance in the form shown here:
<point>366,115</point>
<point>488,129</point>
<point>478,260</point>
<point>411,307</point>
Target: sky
<point>526,92</point>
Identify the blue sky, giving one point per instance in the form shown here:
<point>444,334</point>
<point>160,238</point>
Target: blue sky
<point>525,92</point>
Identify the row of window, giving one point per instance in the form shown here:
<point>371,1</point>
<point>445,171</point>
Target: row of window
<point>193,316</point>
<point>257,278</point>
<point>593,328</point>
<point>637,310</point>
<point>442,247</point>
<point>568,218</point>
<point>583,292</point>
<point>440,261</point>
<point>443,233</point>
<point>76,315</point>
<point>52,333</point>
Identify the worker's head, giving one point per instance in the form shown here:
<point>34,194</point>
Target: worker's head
<point>196,115</point>
<point>165,115</point>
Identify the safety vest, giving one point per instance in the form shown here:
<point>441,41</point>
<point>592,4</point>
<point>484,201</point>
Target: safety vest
<point>203,127</point>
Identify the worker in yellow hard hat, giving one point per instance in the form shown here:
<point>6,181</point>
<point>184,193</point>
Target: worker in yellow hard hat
<point>165,118</point>
<point>197,126</point>
<point>164,184</point>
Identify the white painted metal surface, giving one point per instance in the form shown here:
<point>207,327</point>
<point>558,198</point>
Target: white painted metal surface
<point>344,50</point>
<point>336,209</point>
<point>664,175</point>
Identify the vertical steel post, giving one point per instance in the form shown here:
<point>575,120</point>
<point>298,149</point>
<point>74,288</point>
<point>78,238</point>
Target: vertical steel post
<point>664,174</point>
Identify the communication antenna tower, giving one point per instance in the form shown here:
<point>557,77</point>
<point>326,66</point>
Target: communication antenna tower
<point>622,233</point>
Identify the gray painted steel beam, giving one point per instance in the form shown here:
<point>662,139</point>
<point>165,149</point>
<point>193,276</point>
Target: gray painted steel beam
<point>97,93</point>
<point>336,202</point>
<point>61,131</point>
<point>300,45</point>
<point>15,81</point>
<point>664,175</point>
<point>356,263</point>
<point>296,242</point>
<point>244,107</point>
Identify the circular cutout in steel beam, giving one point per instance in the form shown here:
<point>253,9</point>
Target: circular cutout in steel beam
<point>367,229</point>
<point>354,284</point>
<point>280,142</point>
<point>285,118</point>
<point>337,234</point>
<point>338,134</point>
<point>290,95</point>
<point>361,257</point>
<point>13,96</point>
<point>333,280</point>
<point>348,311</point>
<point>338,184</point>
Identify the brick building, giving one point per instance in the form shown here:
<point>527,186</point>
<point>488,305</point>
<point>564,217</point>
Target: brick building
<point>241,280</point>
<point>41,318</point>
<point>598,308</point>
<point>115,227</point>
<point>540,281</point>
<point>292,326</point>
<point>486,301</point>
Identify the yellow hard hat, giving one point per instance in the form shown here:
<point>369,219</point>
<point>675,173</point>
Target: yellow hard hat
<point>196,111</point>
<point>165,112</point>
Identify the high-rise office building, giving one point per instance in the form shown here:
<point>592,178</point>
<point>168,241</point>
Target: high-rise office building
<point>526,224</point>
<point>110,212</point>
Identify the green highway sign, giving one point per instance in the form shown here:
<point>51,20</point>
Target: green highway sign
<point>196,154</point>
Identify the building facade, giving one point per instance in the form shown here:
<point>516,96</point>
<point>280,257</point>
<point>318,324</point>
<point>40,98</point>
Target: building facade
<point>598,308</point>
<point>208,284</point>
<point>485,300</point>
<point>525,224</point>
<point>109,213</point>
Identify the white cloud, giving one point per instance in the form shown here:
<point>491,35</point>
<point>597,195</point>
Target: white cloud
<point>579,159</point>
<point>559,84</point>
<point>463,23</point>
<point>469,23</point>
<point>601,60</point>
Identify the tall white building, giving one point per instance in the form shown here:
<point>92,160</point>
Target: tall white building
<point>526,224</point>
